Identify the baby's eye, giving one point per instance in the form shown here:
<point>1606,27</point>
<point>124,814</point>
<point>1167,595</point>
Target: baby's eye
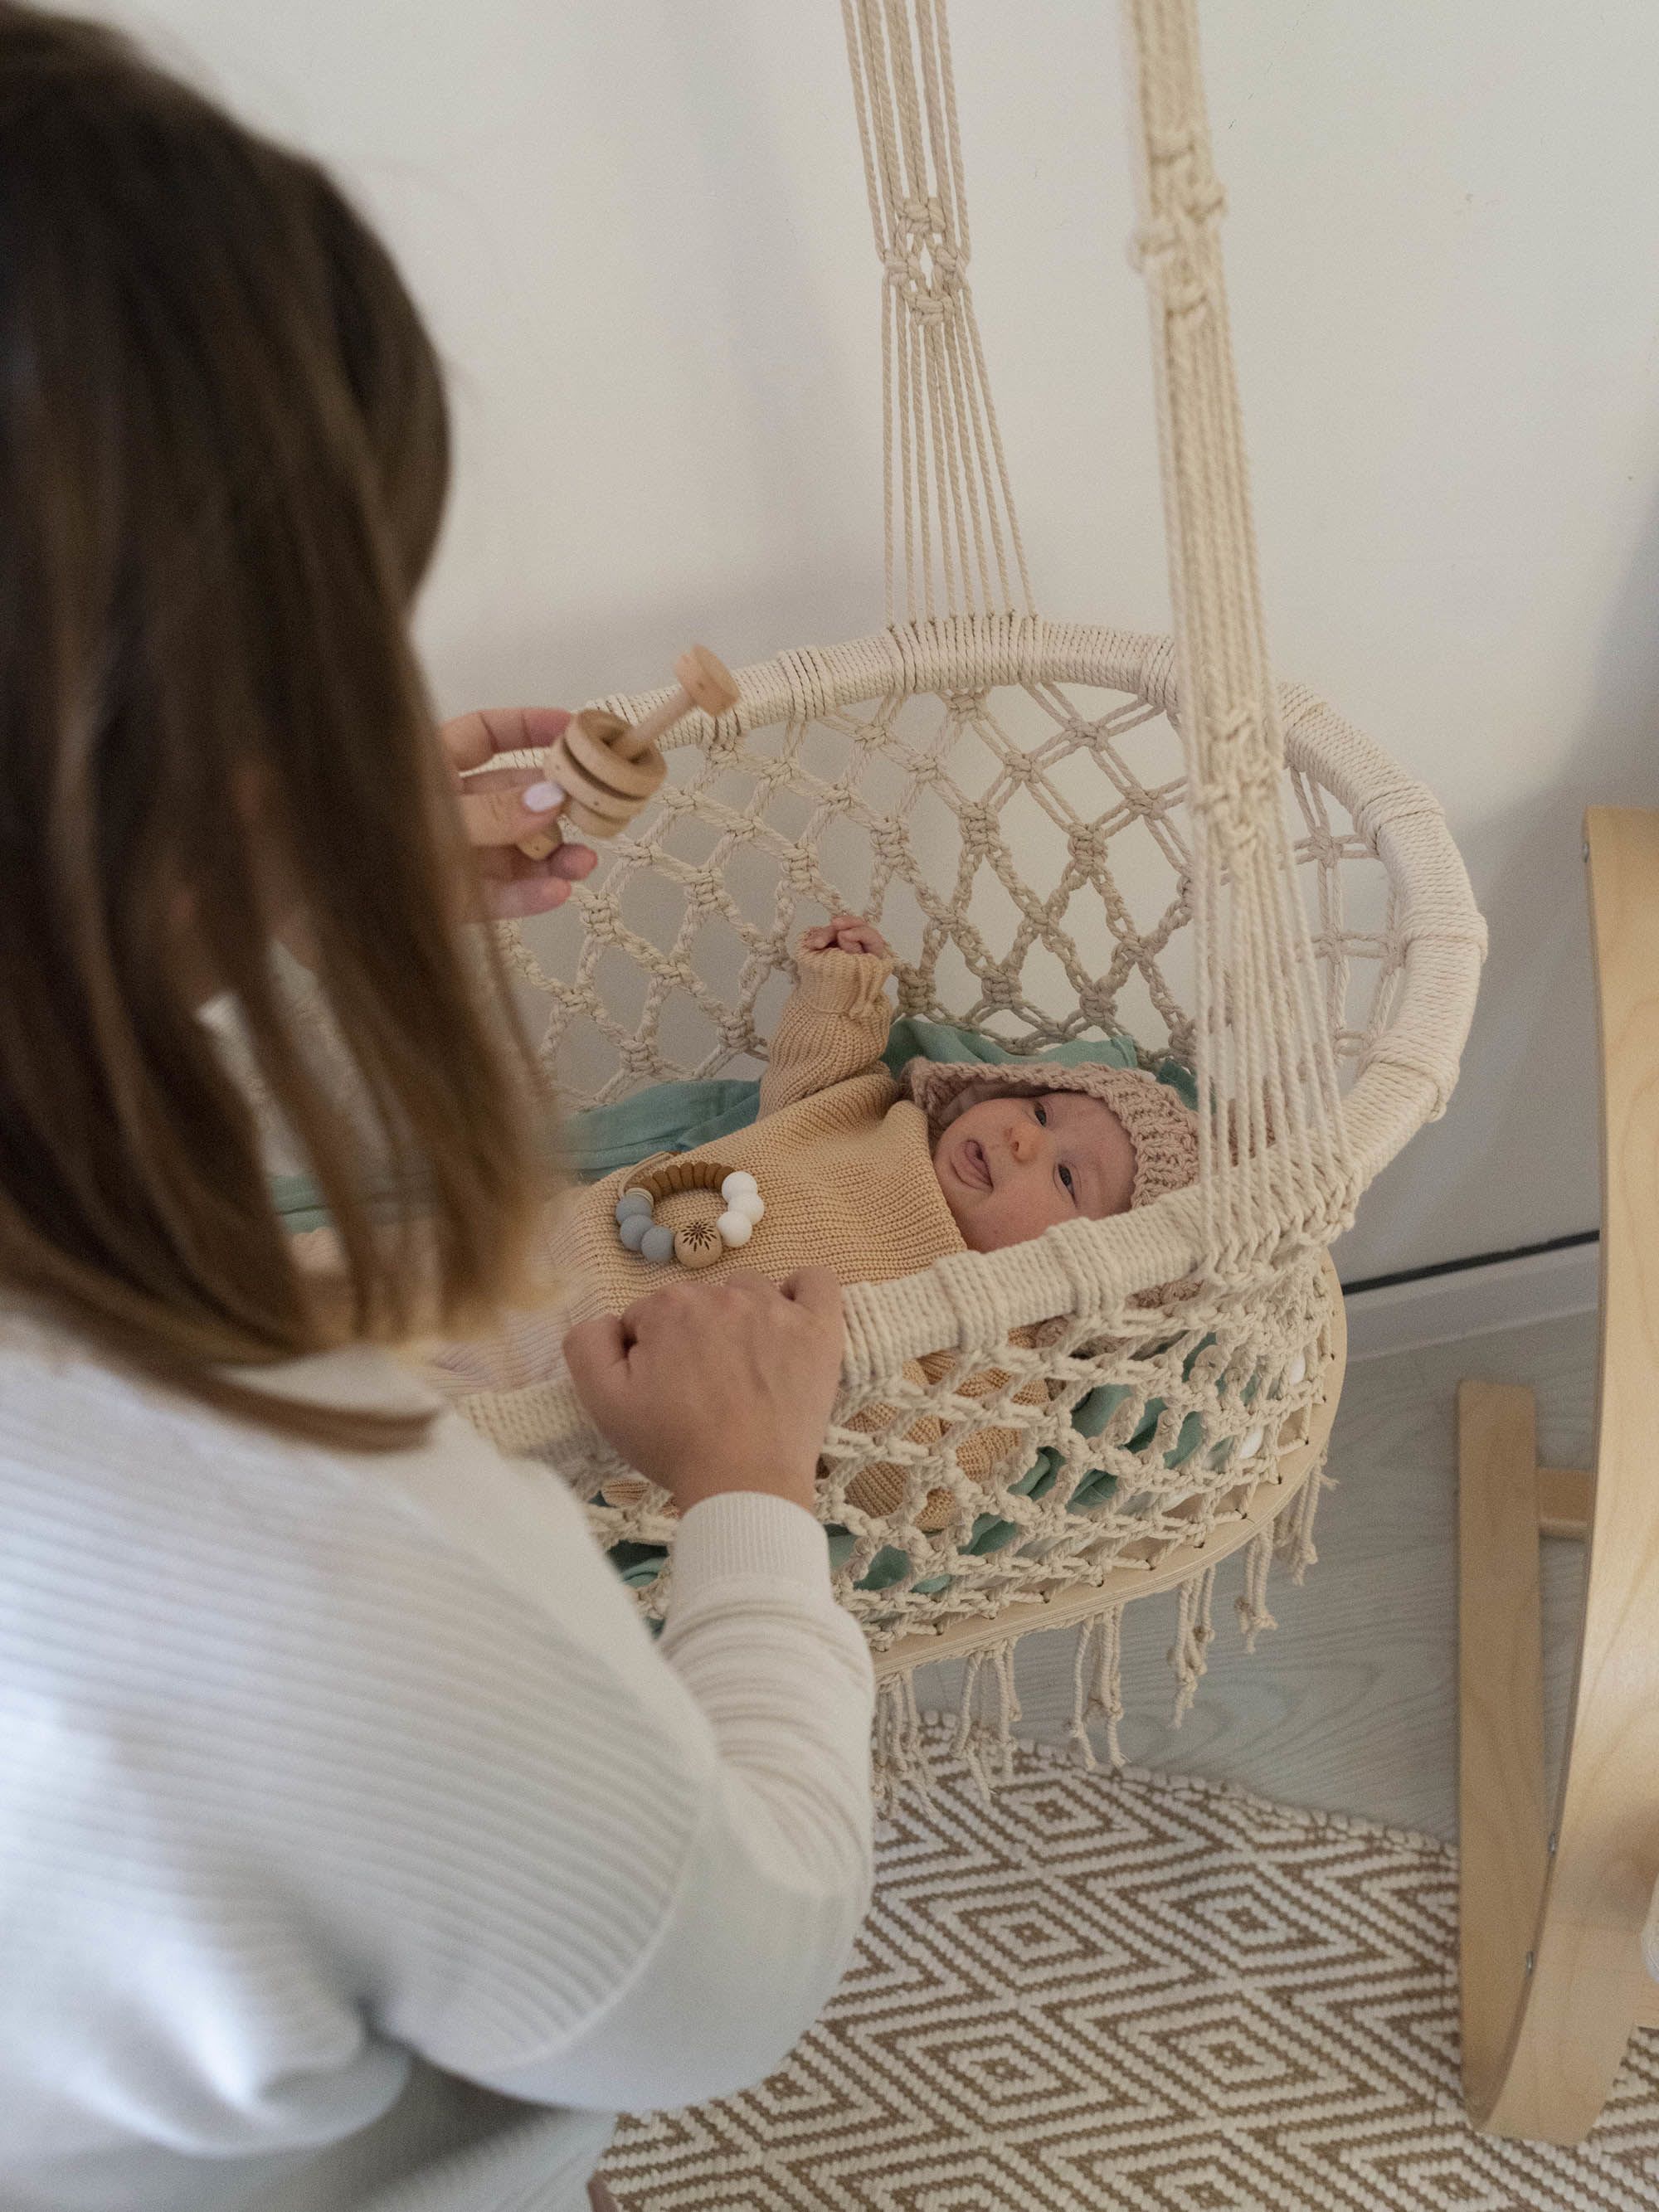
<point>1066,1179</point>
<point>1043,1117</point>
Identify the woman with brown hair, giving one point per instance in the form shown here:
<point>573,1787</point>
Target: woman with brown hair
<point>357,1848</point>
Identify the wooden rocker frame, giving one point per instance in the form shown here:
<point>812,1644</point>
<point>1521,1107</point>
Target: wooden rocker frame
<point>1552,1909</point>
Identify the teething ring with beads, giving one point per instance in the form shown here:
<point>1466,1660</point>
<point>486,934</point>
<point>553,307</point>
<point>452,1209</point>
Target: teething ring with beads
<point>700,1243</point>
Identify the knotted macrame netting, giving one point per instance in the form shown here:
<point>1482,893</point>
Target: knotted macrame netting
<point>1063,830</point>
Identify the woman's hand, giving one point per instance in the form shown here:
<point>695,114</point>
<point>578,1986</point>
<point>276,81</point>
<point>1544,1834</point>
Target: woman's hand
<point>499,806</point>
<point>848,933</point>
<point>710,1386</point>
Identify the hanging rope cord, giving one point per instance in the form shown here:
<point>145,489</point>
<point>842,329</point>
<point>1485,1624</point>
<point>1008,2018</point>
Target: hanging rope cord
<point>1277,1168</point>
<point>941,439</point>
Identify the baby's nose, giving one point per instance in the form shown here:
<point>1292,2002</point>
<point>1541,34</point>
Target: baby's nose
<point>1022,1141</point>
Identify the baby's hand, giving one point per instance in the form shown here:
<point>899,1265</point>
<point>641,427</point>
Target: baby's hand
<point>846,933</point>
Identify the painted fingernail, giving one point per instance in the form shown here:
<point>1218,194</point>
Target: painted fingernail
<point>542,798</point>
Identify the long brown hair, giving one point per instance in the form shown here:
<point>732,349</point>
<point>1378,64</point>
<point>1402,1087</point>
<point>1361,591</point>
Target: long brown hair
<point>223,456</point>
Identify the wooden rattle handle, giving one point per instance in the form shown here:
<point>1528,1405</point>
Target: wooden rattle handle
<point>609,768</point>
<point>705,682</point>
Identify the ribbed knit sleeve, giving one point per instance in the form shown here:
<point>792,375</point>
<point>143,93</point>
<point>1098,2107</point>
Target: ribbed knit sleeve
<point>833,1026</point>
<point>603,1872</point>
<point>320,1768</point>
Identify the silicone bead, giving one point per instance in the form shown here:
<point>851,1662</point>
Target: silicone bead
<point>632,1230</point>
<point>657,1244</point>
<point>735,1229</point>
<point>747,1201</point>
<point>739,1179</point>
<point>634,1202</point>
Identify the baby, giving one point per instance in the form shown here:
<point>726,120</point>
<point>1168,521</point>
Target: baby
<point>874,1178</point>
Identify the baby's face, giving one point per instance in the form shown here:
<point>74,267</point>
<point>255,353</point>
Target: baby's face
<point>1011,1168</point>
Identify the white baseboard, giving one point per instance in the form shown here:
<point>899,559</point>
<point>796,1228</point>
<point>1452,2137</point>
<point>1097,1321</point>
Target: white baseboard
<point>1473,1302</point>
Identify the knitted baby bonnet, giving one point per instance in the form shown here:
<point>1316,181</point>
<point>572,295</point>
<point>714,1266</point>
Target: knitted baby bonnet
<point>1162,1131</point>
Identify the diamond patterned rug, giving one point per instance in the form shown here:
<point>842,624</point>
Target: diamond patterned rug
<point>1143,1992</point>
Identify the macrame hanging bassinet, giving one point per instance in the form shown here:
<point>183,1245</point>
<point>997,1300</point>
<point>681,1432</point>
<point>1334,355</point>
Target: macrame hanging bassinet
<point>1064,829</point>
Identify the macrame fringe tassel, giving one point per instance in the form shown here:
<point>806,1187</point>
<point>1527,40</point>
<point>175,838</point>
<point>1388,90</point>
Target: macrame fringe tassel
<point>1293,1531</point>
<point>1097,1686</point>
<point>1193,1634</point>
<point>989,1711</point>
<point>900,1760</point>
<point>1251,1604</point>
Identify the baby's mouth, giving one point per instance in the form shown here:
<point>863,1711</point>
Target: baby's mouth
<point>972,1165</point>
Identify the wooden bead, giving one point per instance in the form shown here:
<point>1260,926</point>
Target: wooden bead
<point>679,1175</point>
<point>707,680</point>
<point>697,1245</point>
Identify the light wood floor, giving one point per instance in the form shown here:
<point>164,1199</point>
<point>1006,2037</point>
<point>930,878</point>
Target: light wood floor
<point>1351,1703</point>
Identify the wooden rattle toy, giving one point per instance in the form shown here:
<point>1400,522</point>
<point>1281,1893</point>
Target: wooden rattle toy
<point>608,769</point>
<point>700,1243</point>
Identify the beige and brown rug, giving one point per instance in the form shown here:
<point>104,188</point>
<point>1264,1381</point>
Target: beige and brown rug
<point>1140,1992</point>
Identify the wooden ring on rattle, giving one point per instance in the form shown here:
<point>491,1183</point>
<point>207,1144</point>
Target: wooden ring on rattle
<point>609,768</point>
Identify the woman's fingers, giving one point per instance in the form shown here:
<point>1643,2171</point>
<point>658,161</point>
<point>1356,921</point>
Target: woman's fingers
<point>817,1289</point>
<point>500,807</point>
<point>503,815</point>
<point>473,740</point>
<point>596,1352</point>
<point>529,895</point>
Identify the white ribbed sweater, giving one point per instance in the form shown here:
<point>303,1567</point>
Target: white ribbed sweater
<point>357,1847</point>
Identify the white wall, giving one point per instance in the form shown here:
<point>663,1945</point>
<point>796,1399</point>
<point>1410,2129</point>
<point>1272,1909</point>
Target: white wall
<point>639,229</point>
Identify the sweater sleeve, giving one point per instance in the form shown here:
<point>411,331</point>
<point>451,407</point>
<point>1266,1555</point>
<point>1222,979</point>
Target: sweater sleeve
<point>608,1874</point>
<point>833,1027</point>
<point>773,1879</point>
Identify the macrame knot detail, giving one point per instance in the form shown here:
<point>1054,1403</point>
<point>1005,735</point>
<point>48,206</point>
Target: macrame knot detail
<point>1239,798</point>
<point>923,263</point>
<point>890,843</point>
<point>979,825</point>
<point>1175,242</point>
<point>1087,842</point>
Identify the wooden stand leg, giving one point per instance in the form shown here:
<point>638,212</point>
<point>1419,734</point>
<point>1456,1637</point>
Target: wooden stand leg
<point>1502,1817</point>
<point>1552,1979</point>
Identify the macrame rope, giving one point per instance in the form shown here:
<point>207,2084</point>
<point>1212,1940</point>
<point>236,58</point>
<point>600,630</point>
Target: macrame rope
<point>1275,1160</point>
<point>1251,1604</point>
<point>947,496</point>
<point>835,780</point>
<point>1098,1685</point>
